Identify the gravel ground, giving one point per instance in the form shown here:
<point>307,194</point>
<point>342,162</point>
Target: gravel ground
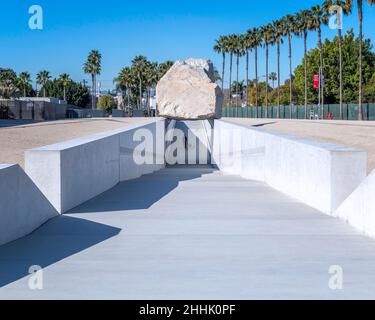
<point>18,136</point>
<point>356,134</point>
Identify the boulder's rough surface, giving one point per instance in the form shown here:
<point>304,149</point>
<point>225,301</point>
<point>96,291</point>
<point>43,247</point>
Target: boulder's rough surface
<point>188,91</point>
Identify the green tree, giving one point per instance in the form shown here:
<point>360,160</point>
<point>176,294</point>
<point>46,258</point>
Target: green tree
<point>93,67</point>
<point>350,47</point>
<point>76,93</point>
<point>8,82</point>
<point>42,78</point>
<point>369,90</point>
<point>106,102</point>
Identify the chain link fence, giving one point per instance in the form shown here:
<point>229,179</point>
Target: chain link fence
<point>332,111</point>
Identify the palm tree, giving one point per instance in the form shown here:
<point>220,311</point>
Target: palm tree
<point>124,82</point>
<point>290,26</point>
<point>220,47</point>
<point>92,66</point>
<point>231,46</point>
<point>360,19</point>
<point>239,52</point>
<point>279,32</point>
<point>248,46</point>
<point>256,40</point>
<point>267,32</point>
<point>151,77</point>
<point>304,18</point>
<point>319,16</point>
<point>24,81</point>
<point>273,77</point>
<point>65,80</point>
<point>42,78</point>
<point>139,64</point>
<point>346,6</point>
<point>163,68</point>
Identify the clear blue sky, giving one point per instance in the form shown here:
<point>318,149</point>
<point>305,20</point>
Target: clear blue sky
<point>121,29</point>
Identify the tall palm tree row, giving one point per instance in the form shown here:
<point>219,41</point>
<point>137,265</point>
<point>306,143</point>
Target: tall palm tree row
<point>298,24</point>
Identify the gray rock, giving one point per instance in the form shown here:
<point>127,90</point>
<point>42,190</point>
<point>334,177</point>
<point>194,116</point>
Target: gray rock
<point>188,91</point>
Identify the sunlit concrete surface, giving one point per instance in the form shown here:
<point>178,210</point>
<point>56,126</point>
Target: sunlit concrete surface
<point>190,233</point>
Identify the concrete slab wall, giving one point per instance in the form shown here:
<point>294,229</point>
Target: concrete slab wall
<point>72,172</point>
<point>359,208</point>
<point>319,174</point>
<point>23,208</point>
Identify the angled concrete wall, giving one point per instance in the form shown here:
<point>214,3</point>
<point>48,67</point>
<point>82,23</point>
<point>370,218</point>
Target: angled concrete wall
<point>75,171</point>
<point>359,208</point>
<point>319,174</point>
<point>23,207</point>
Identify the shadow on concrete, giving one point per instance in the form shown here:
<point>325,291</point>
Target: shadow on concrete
<point>143,192</point>
<point>59,238</point>
<point>7,123</point>
<point>263,124</point>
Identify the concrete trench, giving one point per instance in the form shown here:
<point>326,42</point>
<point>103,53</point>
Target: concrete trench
<point>190,232</point>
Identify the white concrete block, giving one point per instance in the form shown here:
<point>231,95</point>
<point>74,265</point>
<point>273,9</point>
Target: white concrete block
<point>23,207</point>
<point>359,208</point>
<point>319,174</point>
<point>72,172</point>
<point>129,168</point>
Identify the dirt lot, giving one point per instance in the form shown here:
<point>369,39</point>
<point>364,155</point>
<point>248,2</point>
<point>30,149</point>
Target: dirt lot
<point>359,135</point>
<point>16,137</point>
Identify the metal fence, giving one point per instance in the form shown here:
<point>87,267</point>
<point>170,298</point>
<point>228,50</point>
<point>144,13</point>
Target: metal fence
<point>350,112</point>
<point>31,110</point>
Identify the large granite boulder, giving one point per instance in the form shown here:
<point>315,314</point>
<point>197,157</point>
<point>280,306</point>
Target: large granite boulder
<point>188,91</point>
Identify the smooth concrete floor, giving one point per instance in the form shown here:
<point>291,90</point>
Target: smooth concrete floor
<point>190,233</point>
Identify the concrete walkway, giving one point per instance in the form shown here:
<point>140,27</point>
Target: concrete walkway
<point>190,233</point>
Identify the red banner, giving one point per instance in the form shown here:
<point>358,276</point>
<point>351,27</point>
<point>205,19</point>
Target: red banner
<point>316,81</point>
